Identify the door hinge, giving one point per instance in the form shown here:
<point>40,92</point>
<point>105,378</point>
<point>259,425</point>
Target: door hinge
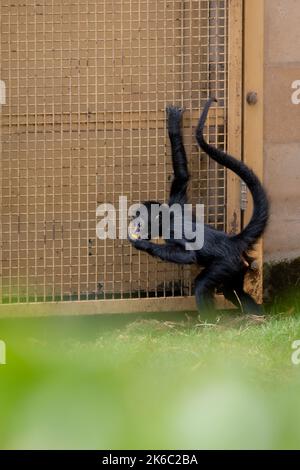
<point>244,196</point>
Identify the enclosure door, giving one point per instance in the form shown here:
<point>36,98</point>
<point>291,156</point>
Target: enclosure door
<point>83,123</point>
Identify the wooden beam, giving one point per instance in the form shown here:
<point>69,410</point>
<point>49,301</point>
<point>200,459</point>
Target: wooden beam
<point>97,307</point>
<point>253,113</point>
<point>234,106</point>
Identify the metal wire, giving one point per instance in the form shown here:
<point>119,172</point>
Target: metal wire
<point>88,82</point>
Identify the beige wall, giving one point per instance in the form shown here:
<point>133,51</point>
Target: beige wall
<point>282,128</point>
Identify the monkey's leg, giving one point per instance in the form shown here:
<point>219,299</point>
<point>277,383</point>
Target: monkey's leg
<point>230,294</point>
<point>170,253</point>
<point>178,193</point>
<point>205,284</point>
<point>235,293</point>
<point>244,302</point>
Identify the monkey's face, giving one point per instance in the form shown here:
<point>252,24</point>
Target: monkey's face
<point>147,222</point>
<point>136,229</point>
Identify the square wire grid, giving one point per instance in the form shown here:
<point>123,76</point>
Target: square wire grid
<point>87,86</point>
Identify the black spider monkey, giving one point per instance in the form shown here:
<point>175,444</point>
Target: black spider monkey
<point>224,257</point>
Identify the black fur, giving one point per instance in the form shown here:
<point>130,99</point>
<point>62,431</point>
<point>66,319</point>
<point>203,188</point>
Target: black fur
<point>224,257</point>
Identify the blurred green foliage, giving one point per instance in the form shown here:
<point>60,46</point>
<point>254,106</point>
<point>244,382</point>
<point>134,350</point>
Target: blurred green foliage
<point>166,382</point>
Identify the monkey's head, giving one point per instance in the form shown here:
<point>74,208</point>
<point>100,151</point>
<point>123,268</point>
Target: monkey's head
<point>146,224</point>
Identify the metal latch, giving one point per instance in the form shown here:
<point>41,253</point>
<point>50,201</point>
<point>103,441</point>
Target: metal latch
<point>244,196</point>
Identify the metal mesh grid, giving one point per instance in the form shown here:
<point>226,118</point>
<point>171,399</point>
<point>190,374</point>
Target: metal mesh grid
<point>87,84</point>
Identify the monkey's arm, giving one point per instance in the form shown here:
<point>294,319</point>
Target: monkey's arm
<point>178,193</point>
<point>170,253</point>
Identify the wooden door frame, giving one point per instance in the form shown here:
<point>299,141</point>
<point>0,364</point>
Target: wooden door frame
<point>235,111</point>
<point>245,137</point>
<point>253,116</point>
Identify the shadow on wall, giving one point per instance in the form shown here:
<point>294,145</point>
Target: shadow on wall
<point>282,284</point>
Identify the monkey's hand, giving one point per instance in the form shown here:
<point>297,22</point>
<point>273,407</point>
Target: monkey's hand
<point>174,118</point>
<point>151,248</point>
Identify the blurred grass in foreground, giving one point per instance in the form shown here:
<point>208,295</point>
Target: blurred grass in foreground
<point>170,383</point>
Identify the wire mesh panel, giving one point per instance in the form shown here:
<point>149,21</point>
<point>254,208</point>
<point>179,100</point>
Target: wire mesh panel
<point>87,85</point>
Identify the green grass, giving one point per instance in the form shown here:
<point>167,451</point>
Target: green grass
<point>165,382</point>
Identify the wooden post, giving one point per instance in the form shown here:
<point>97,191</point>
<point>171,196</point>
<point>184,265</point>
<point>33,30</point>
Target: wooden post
<point>253,112</point>
<point>234,106</point>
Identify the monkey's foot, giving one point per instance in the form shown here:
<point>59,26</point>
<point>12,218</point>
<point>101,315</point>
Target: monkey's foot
<point>253,309</point>
<point>256,313</point>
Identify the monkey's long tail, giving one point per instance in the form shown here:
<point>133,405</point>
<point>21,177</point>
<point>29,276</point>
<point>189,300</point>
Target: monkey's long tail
<point>254,230</point>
